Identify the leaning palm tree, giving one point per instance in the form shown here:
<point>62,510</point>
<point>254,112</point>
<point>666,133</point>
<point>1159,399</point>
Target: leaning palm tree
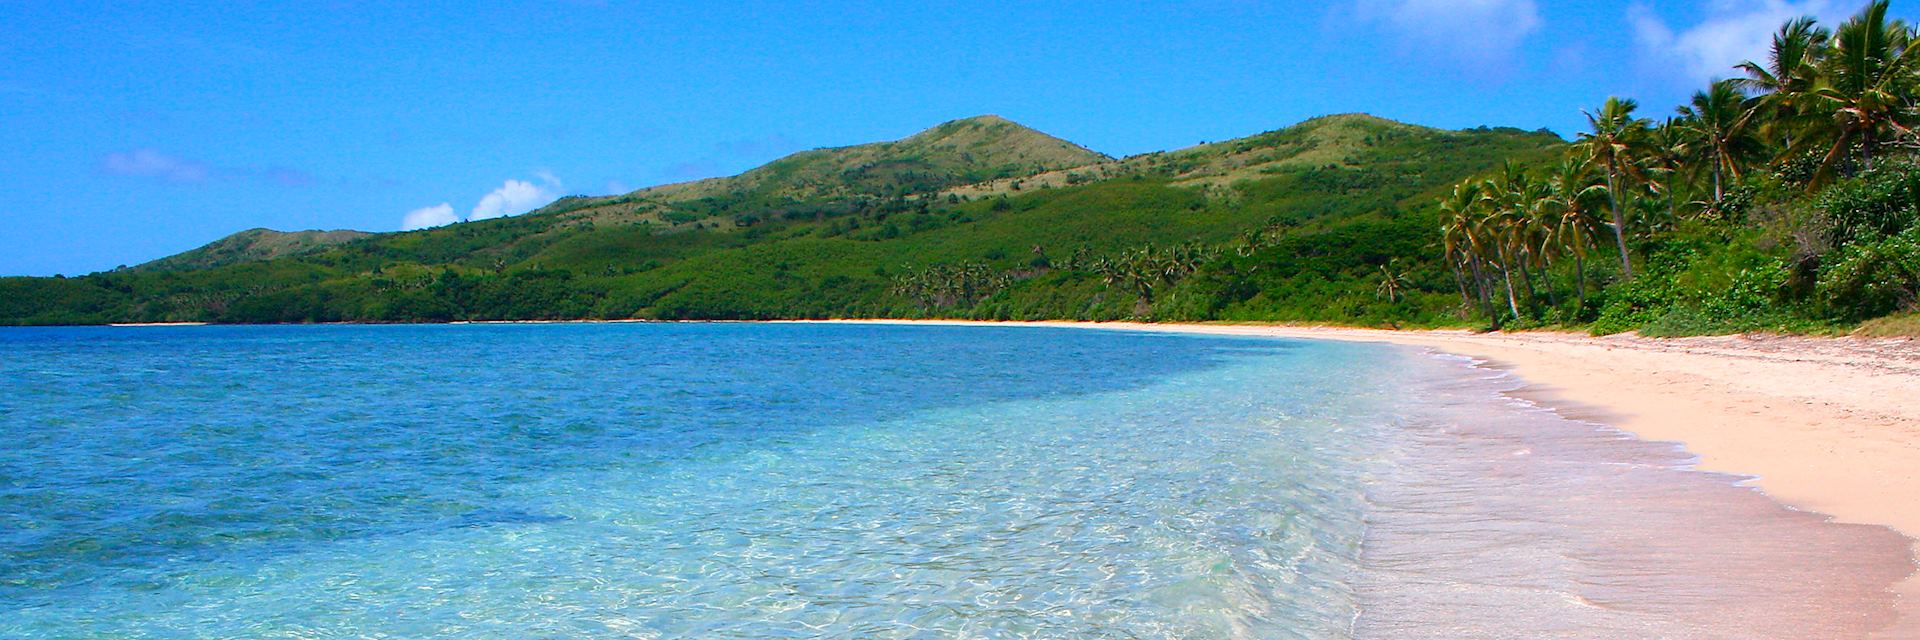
<point>1719,118</point>
<point>1522,224</point>
<point>1505,223</point>
<point>1613,144</point>
<point>1667,160</point>
<point>1788,79</point>
<point>1458,229</point>
<point>1574,223</point>
<point>1392,284</point>
<point>1870,78</point>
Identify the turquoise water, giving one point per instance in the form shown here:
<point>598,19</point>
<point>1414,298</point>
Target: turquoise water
<point>754,481</point>
<point>681,480</point>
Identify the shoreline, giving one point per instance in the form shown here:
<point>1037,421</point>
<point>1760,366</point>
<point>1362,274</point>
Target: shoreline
<point>1825,425</point>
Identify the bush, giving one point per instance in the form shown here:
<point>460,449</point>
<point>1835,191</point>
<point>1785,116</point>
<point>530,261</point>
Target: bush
<point>1692,288</point>
<point>1879,204</point>
<point>1873,278</point>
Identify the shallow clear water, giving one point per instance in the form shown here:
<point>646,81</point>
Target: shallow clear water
<point>857,481</point>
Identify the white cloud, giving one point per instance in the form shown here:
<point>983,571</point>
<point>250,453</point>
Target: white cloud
<point>1733,32</point>
<point>151,163</point>
<point>1473,29</point>
<point>433,216</point>
<point>513,198</point>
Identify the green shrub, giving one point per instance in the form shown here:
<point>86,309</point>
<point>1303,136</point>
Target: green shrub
<point>1873,278</point>
<point>1878,204</point>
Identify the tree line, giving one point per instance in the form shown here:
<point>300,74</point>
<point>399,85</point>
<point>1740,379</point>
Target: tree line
<point>1825,107</point>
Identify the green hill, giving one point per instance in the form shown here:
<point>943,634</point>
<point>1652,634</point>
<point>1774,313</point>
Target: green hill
<point>959,152</point>
<point>954,153</point>
<point>250,246</point>
<point>976,218</point>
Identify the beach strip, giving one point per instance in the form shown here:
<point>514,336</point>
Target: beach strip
<point>1830,425</point>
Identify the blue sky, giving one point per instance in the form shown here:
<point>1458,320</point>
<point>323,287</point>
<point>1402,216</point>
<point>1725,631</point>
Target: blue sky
<point>132,130</point>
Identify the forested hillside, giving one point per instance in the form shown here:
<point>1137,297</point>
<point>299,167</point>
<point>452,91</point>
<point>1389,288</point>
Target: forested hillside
<point>938,224</point>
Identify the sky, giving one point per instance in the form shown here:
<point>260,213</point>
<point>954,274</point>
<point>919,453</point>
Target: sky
<point>131,130</point>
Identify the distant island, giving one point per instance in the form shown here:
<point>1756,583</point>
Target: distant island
<point>1784,199</point>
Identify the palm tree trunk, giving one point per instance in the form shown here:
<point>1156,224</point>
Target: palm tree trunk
<point>1719,192</point>
<point>1480,287</point>
<point>1513,302</point>
<point>1580,281</point>
<point>1526,281</point>
<point>1546,281</point>
<point>1866,150</point>
<point>1619,220</point>
<point>1466,301</point>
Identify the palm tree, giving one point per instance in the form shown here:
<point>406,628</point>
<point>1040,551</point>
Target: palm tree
<point>1459,231</point>
<point>1667,159</point>
<point>1719,117</point>
<point>1613,144</point>
<point>1527,224</point>
<point>1391,284</point>
<point>1791,74</point>
<point>1506,224</point>
<point>1870,74</point>
<point>1249,243</point>
<point>1574,222</point>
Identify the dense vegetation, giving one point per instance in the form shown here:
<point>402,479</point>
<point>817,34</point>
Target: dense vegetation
<point>1785,199</point>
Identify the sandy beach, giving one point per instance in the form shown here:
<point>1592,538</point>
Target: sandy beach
<point>1830,425</point>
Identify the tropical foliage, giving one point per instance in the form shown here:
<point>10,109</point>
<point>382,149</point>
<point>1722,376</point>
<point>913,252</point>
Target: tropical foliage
<point>1784,198</point>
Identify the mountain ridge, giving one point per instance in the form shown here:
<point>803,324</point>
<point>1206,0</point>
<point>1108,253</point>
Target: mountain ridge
<point>1061,163</point>
<point>830,233</point>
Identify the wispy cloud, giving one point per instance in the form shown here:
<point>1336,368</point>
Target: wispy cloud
<point>424,217</point>
<point>1733,32</point>
<point>1478,31</point>
<point>167,167</point>
<point>152,163</point>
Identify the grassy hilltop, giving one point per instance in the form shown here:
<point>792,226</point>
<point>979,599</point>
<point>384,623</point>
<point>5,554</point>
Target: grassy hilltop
<point>252,245</point>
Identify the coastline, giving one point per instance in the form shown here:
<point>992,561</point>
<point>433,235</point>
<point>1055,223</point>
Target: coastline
<point>1828,425</point>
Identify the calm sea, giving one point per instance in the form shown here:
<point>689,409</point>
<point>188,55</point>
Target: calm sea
<point>756,481</point>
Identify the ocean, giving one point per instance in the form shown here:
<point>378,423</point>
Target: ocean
<point>870,481</point>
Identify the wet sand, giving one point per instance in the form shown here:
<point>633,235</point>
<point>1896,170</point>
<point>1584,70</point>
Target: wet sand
<point>1824,425</point>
